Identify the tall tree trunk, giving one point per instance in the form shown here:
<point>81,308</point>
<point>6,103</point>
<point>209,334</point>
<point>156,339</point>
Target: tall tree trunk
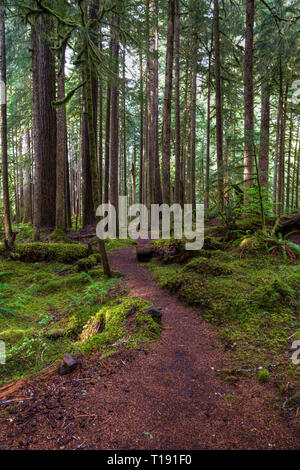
<point>5,184</point>
<point>193,133</point>
<point>37,137</point>
<point>248,98</point>
<point>100,156</point>
<point>88,214</point>
<point>93,154</point>
<point>28,179</point>
<point>207,170</point>
<point>48,125</point>
<point>288,178</point>
<point>219,112</point>
<point>114,123</point>
<point>61,156</point>
<point>166,137</point>
<point>141,186</point>
<point>107,144</point>
<point>264,137</point>
<point>282,153</point>
<point>177,198</point>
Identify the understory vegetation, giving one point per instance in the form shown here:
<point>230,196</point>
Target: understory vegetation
<point>252,297</point>
<point>50,307</point>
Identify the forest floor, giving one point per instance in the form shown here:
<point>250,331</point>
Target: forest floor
<point>166,396</point>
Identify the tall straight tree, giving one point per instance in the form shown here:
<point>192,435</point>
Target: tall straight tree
<point>114,120</point>
<point>166,137</point>
<point>61,216</point>
<point>6,202</point>
<point>219,112</point>
<point>264,136</point>
<point>47,122</point>
<point>248,97</point>
<point>177,104</point>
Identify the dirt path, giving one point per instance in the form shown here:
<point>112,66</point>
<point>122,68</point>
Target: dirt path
<point>167,397</point>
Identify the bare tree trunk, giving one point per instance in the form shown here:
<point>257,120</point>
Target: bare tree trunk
<point>61,156</point>
<point>177,198</point>
<point>48,125</point>
<point>107,143</point>
<point>114,123</point>
<point>37,137</point>
<point>288,179</point>
<point>28,179</point>
<point>264,137</point>
<point>141,186</point>
<point>219,112</point>
<point>207,172</point>
<point>166,138</point>
<point>6,203</point>
<point>248,98</point>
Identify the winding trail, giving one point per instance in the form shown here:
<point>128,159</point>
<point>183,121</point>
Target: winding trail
<point>167,397</point>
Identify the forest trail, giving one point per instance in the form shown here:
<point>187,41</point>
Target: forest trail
<point>167,397</point>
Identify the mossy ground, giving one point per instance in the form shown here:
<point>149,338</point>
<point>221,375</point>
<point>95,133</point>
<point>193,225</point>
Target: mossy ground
<point>254,302</point>
<point>44,307</point>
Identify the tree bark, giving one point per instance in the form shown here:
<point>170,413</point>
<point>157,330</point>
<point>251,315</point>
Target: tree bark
<point>61,219</point>
<point>177,198</point>
<point>114,123</point>
<point>166,137</point>
<point>219,111</point>
<point>248,98</point>
<point>264,137</point>
<point>5,183</point>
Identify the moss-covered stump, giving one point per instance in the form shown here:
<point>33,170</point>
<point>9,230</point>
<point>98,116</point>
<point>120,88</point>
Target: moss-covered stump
<point>129,323</point>
<point>59,252</point>
<point>173,251</point>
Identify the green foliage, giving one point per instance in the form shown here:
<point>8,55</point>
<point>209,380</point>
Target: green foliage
<point>59,252</point>
<point>263,376</point>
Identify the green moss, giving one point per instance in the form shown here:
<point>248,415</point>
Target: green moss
<point>255,307</point>
<point>85,264</point>
<point>59,252</point>
<point>263,376</point>
<point>60,236</point>
<point>126,323</point>
<point>207,267</point>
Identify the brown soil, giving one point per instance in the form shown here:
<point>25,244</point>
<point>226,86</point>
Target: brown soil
<point>165,397</point>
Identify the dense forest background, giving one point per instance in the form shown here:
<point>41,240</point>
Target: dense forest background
<point>164,101</point>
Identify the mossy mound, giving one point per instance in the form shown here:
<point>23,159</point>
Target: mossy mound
<point>256,306</point>
<point>208,267</point>
<point>85,264</point>
<point>59,236</point>
<point>58,252</point>
<point>126,323</point>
